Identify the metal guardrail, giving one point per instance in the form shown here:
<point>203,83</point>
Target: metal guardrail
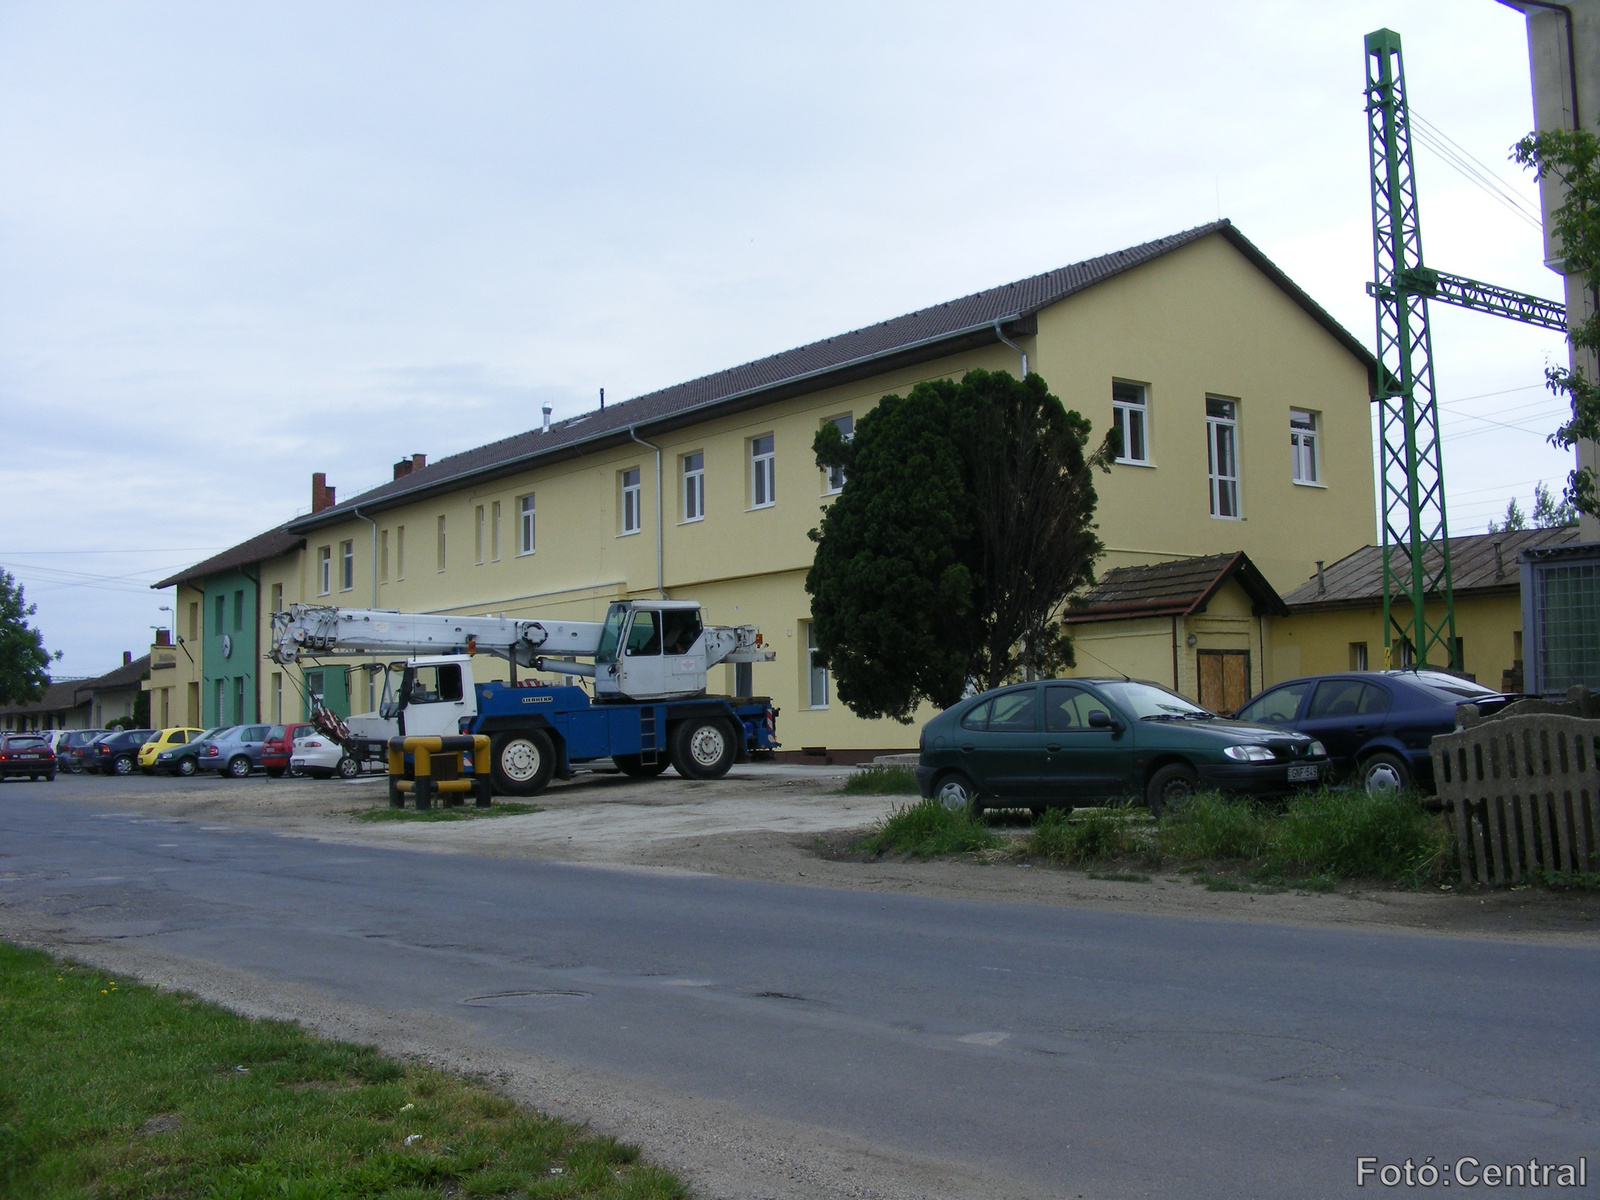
<point>436,769</point>
<point>1522,796</point>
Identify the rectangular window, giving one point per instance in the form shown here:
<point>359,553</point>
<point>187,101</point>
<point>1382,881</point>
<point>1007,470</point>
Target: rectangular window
<point>477,535</point>
<point>847,430</point>
<point>1303,445</point>
<point>166,708</point>
<point>314,689</point>
<point>219,714</point>
<point>324,570</point>
<point>238,611</point>
<point>222,618</point>
<point>763,491</point>
<point>1128,416</point>
<point>399,551</point>
<point>441,542</point>
<point>194,620</point>
<point>347,566</point>
<point>277,696</point>
<point>1222,449</point>
<point>694,486</point>
<point>383,556</point>
<point>1358,656</point>
<point>277,597</point>
<point>238,699</point>
<point>817,673</point>
<point>631,519</point>
<point>494,531</point>
<point>525,530</point>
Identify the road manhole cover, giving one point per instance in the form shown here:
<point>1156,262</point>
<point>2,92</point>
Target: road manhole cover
<point>515,999</point>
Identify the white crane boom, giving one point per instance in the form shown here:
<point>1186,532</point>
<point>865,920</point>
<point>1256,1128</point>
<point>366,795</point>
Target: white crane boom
<point>322,630</point>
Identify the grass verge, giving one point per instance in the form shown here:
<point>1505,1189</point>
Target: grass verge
<point>1084,836</point>
<point>880,781</point>
<point>928,829</point>
<point>466,812</point>
<point>110,1089</point>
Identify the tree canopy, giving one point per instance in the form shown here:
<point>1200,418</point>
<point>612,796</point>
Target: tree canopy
<point>966,519</point>
<point>1573,157</point>
<point>24,662</point>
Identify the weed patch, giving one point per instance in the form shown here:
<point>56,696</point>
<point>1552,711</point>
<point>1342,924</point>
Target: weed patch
<point>1086,835</point>
<point>466,812</point>
<point>927,829</point>
<point>880,781</point>
<point>110,1089</point>
<point>1578,881</point>
<point>1353,834</point>
<point>1215,827</point>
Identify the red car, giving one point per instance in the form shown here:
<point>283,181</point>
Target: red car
<point>275,751</point>
<point>26,754</point>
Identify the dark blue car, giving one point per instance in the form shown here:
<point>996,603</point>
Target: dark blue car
<point>1375,724</point>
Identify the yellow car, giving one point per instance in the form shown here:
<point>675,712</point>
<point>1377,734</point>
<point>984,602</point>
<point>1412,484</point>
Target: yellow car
<point>167,739</point>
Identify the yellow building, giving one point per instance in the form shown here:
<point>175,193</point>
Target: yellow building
<point>1244,408</point>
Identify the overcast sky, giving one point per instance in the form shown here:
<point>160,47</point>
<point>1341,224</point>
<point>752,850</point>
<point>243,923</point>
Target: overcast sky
<point>240,244</point>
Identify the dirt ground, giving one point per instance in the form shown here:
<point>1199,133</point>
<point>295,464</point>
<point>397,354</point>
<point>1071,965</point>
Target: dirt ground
<point>789,824</point>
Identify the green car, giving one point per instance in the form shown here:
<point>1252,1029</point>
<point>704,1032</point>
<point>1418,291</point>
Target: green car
<point>1081,742</point>
<point>185,760</point>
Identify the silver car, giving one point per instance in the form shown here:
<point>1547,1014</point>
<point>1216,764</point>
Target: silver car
<point>234,752</point>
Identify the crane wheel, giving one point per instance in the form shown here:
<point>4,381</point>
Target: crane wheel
<point>703,748</point>
<point>522,761</point>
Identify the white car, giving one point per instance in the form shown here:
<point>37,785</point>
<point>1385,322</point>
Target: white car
<point>318,755</point>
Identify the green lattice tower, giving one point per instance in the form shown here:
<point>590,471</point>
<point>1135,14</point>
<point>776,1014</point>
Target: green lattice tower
<point>1416,539</point>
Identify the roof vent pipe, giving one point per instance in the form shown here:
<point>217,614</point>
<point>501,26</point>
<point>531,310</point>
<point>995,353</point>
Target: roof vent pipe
<point>1000,333</point>
<point>602,399</point>
<point>546,427</point>
<point>1322,584</point>
<point>1499,563</point>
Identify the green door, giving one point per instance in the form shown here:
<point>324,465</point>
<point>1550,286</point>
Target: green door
<point>1085,764</point>
<point>1001,740</point>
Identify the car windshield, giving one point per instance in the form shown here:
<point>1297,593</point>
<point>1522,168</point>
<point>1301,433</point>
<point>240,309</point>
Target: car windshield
<point>1147,702</point>
<point>1451,688</point>
<point>24,743</point>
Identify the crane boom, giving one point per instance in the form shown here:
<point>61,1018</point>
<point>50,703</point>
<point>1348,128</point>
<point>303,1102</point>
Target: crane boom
<point>323,630</point>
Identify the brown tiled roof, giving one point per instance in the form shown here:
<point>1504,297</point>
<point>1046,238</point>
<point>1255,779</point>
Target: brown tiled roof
<point>127,675</point>
<point>1357,579</point>
<point>258,549</point>
<point>916,337</point>
<point>58,697</point>
<point>1180,587</point>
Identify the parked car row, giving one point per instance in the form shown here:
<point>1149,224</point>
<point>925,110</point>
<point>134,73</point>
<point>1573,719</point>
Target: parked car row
<point>233,750</point>
<point>1075,742</point>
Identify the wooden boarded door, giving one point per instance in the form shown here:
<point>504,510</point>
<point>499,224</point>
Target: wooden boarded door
<point>1224,679</point>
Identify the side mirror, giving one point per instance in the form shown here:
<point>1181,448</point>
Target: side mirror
<point>1100,719</point>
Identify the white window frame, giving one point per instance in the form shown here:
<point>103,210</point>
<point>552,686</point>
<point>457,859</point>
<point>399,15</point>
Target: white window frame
<point>383,556</point>
<point>817,678</point>
<point>1304,436</point>
<point>694,486</point>
<point>494,531</point>
<point>833,477</point>
<point>347,565</point>
<point>527,527</point>
<point>1222,443</point>
<point>324,570</point>
<point>1126,413</point>
<point>632,493</point>
<point>399,553</point>
<point>478,519</point>
<point>763,471</point>
<point>443,546</point>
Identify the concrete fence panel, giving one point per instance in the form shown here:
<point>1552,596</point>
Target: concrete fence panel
<point>1522,796</point>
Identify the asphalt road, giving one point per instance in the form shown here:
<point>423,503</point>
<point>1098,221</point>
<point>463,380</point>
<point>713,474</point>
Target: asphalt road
<point>1081,1053</point>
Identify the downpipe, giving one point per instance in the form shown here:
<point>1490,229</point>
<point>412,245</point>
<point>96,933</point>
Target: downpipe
<point>660,515</point>
<point>1000,333</point>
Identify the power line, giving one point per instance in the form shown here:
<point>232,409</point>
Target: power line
<point>1460,159</point>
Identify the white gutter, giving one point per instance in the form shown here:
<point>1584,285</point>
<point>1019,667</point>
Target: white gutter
<point>999,333</point>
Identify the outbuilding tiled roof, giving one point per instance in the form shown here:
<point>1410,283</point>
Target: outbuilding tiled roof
<point>1180,587</point>
<point>258,549</point>
<point>58,697</point>
<point>1475,566</point>
<point>920,336</point>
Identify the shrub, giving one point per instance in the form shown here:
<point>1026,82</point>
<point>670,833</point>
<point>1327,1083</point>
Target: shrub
<point>926,829</point>
<point>881,781</point>
<point>1089,835</point>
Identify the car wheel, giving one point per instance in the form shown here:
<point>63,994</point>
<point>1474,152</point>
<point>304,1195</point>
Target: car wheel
<point>1384,772</point>
<point>1170,788</point>
<point>523,762</point>
<point>956,792</point>
<point>122,765</point>
<point>239,766</point>
<point>634,764</point>
<point>348,768</point>
<point>702,748</point>
<point>186,766</point>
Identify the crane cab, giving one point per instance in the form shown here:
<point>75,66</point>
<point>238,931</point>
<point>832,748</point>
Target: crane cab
<point>651,649</point>
<point>435,695</point>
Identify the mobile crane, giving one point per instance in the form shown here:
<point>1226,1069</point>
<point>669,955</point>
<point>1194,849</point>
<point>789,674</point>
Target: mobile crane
<point>648,663</point>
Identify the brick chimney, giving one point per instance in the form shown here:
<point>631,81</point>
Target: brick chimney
<point>407,465</point>
<point>322,496</point>
<point>163,637</point>
<point>127,657</point>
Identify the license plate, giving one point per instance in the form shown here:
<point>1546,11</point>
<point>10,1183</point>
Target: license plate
<point>1303,774</point>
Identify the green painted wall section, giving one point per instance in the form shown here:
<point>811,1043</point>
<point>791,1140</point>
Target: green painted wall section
<point>231,666</point>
